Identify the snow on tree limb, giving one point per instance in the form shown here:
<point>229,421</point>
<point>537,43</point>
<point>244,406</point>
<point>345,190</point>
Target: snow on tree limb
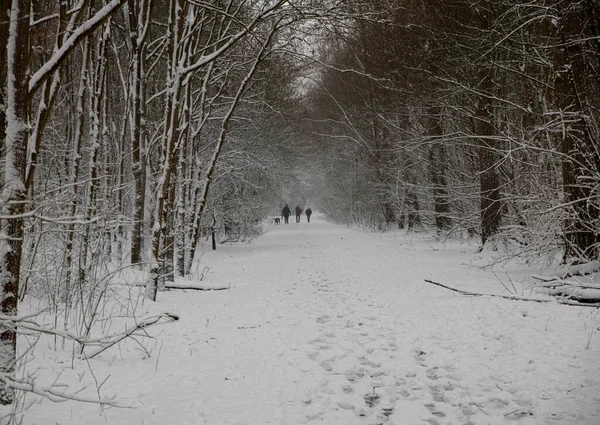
<point>203,60</point>
<point>115,339</point>
<point>85,29</point>
<point>28,385</point>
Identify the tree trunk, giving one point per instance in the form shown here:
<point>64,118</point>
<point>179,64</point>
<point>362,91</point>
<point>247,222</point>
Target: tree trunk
<point>162,238</point>
<point>13,194</point>
<point>138,23</point>
<point>45,107</point>
<point>489,181</point>
<point>183,191</point>
<point>438,160</point>
<point>77,142</point>
<point>580,159</point>
<point>97,101</point>
<point>4,26</point>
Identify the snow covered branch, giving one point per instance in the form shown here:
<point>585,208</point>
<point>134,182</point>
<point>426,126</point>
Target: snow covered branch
<point>111,340</point>
<point>53,394</point>
<point>512,297</point>
<point>61,54</point>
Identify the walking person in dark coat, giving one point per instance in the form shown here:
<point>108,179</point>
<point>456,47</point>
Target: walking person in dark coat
<point>298,212</point>
<point>286,213</point>
<point>308,212</point>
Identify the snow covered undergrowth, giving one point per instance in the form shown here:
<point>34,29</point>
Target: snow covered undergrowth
<point>322,324</point>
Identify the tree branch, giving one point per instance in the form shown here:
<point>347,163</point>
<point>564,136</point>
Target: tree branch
<point>513,298</point>
<point>79,34</point>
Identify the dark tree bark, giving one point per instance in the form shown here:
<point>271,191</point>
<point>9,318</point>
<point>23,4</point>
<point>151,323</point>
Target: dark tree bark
<point>489,181</point>
<point>13,194</point>
<point>581,156</point>
<point>138,21</point>
<point>46,106</point>
<point>4,25</point>
<point>438,160</point>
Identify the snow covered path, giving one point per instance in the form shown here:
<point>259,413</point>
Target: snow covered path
<point>327,325</point>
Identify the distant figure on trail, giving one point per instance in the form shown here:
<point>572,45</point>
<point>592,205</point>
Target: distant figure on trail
<point>298,212</point>
<point>286,213</point>
<point>308,212</point>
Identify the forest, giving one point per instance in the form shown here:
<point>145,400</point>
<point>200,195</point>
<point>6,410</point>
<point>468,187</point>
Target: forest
<point>133,129</point>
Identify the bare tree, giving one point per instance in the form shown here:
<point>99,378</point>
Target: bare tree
<point>576,92</point>
<point>13,194</point>
<point>20,92</point>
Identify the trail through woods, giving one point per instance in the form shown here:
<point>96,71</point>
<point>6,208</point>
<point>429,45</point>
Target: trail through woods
<point>323,324</point>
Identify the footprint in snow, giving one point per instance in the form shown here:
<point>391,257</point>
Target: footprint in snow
<point>432,373</point>
<point>327,365</point>
<point>347,389</point>
<point>434,410</point>
<point>437,393</point>
<point>419,356</point>
<point>366,362</point>
<point>355,374</point>
<point>372,398</point>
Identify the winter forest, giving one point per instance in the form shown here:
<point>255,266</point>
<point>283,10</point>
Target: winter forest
<point>134,131</point>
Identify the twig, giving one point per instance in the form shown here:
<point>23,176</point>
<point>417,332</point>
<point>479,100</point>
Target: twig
<point>510,280</point>
<point>481,409</point>
<point>502,283</point>
<point>130,332</point>
<point>158,357</point>
<point>513,298</point>
<point>54,395</point>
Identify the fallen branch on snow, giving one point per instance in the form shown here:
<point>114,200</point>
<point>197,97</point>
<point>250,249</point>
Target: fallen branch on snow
<point>55,395</point>
<point>198,288</point>
<point>108,342</point>
<point>512,297</point>
<point>24,326</point>
<point>574,270</point>
<point>582,291</point>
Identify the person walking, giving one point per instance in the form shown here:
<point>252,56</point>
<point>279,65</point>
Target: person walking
<point>286,212</point>
<point>298,212</point>
<point>308,212</point>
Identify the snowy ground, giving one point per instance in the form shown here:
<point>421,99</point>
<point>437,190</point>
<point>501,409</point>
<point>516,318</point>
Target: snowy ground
<point>326,325</point>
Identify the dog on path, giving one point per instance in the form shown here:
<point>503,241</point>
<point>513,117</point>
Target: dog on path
<point>276,221</point>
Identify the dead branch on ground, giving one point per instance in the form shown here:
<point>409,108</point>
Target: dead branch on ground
<point>514,298</point>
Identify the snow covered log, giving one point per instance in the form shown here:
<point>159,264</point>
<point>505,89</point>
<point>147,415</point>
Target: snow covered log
<point>570,271</point>
<point>584,289</point>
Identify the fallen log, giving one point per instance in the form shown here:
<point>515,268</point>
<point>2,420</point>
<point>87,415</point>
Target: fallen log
<point>580,294</point>
<point>198,288</point>
<point>514,297</point>
<point>571,271</point>
<point>565,283</point>
<point>194,288</point>
<point>582,290</point>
